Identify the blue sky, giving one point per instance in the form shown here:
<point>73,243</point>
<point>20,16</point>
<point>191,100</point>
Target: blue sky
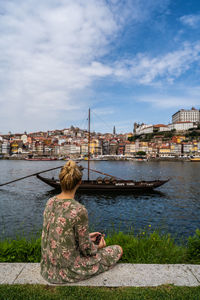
<point>129,60</point>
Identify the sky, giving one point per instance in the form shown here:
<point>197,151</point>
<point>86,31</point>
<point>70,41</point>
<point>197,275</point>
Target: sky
<point>128,60</point>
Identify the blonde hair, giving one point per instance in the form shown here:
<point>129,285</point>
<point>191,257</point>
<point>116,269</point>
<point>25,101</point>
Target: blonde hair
<point>70,175</point>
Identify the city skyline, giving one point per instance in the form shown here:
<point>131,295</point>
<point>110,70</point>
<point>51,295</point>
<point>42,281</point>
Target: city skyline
<point>130,61</point>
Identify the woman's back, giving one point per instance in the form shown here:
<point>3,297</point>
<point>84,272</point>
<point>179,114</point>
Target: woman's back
<point>65,241</point>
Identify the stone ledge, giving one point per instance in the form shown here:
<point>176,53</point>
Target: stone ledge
<point>138,275</point>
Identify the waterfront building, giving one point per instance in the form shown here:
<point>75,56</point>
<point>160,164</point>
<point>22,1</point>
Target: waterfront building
<point>95,147</point>
<point>177,139</point>
<point>68,149</point>
<point>113,147</point>
<point>24,138</point>
<point>39,148</point>
<point>187,148</point>
<point>121,149</point>
<point>198,147</point>
<point>143,146</point>
<point>56,149</point>
<point>14,147</point>
<point>176,149</point>
<point>48,150</point>
<point>66,131</point>
<point>186,115</point>
<point>84,148</point>
<point>6,147</point>
<point>130,148</point>
<point>165,150</point>
<point>105,147</point>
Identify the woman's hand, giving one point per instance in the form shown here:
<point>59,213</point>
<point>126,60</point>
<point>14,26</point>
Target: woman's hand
<point>102,243</point>
<point>93,236</point>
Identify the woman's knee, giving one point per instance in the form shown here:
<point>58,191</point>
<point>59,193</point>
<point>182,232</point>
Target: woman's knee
<point>121,250</point>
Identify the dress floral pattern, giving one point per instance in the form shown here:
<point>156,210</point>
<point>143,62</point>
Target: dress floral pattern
<point>68,254</point>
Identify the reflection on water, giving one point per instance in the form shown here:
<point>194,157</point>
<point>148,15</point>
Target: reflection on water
<point>175,207</point>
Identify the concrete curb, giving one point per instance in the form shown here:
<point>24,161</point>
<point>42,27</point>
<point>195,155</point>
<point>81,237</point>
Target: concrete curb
<point>138,275</point>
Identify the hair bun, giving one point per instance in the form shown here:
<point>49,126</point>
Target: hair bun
<point>70,175</point>
<point>69,166</point>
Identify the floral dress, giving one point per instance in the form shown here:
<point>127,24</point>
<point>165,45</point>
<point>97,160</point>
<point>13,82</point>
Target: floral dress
<point>68,254</point>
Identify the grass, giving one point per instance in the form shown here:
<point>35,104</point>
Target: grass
<point>29,292</point>
<point>147,247</point>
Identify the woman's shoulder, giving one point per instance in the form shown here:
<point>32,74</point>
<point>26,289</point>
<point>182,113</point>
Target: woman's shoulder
<point>78,205</point>
<point>80,208</point>
<point>50,201</point>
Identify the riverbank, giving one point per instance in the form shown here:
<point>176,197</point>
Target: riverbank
<point>152,159</point>
<point>148,247</point>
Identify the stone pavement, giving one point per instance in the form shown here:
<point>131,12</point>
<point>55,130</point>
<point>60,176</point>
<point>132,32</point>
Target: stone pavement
<point>120,275</point>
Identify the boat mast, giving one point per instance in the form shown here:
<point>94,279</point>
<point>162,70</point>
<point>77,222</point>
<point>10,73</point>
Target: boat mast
<point>89,144</point>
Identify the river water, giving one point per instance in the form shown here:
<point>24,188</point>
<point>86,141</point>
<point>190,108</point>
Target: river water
<point>173,208</point>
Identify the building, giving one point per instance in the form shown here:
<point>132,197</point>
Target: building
<point>95,147</point>
<point>160,128</point>
<point>69,149</point>
<point>145,129</point>
<point>183,115</point>
<point>84,148</point>
<point>5,147</point>
<point>182,126</point>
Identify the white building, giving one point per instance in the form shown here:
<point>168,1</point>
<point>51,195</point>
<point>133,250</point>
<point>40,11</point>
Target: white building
<point>198,147</point>
<point>160,128</point>
<point>130,149</point>
<point>183,115</point>
<point>24,138</point>
<point>144,129</point>
<point>66,131</point>
<point>181,126</point>
<point>5,147</point>
<point>70,149</point>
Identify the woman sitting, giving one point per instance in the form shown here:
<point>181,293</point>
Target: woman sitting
<point>69,253</point>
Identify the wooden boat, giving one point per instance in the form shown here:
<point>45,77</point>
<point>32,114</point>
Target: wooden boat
<point>109,185</point>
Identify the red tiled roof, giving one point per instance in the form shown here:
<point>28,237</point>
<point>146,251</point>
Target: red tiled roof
<point>160,125</point>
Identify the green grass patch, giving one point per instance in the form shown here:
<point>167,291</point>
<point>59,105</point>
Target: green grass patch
<point>147,247</point>
<point>29,292</point>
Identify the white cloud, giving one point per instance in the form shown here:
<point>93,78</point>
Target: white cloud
<point>179,97</point>
<point>191,20</point>
<point>146,70</point>
<point>97,69</point>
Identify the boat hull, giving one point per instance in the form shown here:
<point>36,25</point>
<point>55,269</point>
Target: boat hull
<point>196,159</point>
<point>118,186</point>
